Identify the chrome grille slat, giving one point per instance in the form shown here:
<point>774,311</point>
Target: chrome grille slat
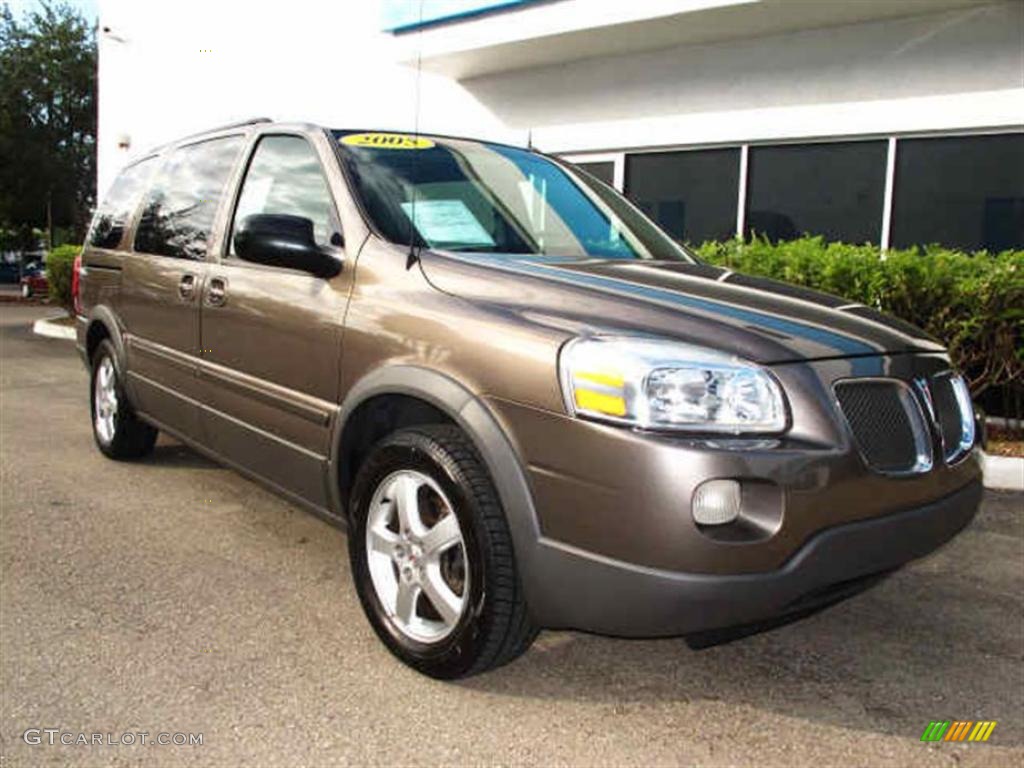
<point>949,417</point>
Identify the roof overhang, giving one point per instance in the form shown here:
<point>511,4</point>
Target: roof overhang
<point>538,34</point>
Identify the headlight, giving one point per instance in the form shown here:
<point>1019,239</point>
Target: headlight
<point>660,384</point>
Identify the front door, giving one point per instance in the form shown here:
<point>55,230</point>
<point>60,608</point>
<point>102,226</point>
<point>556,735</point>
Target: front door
<point>271,336</point>
<point>163,278</point>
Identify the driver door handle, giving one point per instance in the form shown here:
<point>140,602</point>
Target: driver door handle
<point>217,292</point>
<point>187,287</point>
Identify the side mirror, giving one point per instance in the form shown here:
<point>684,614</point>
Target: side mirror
<point>281,240</point>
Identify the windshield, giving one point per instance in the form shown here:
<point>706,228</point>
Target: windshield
<point>468,196</point>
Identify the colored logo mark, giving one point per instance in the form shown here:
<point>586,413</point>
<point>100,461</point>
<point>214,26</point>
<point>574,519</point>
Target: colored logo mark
<point>958,730</point>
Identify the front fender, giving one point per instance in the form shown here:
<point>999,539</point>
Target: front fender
<point>477,421</point>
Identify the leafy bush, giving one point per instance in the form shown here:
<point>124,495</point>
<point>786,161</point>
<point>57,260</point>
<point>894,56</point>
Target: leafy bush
<point>59,265</point>
<point>972,302</point>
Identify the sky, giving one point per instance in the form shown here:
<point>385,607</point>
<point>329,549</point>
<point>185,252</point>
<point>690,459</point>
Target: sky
<point>19,7</point>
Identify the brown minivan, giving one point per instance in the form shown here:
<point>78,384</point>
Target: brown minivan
<point>529,406</point>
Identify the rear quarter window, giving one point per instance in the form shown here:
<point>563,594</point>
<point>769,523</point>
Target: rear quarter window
<point>179,209</point>
<point>113,215</point>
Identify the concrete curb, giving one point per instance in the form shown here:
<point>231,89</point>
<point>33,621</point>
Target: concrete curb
<point>1004,473</point>
<point>48,328</point>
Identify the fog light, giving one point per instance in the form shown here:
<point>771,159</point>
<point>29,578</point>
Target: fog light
<point>716,502</point>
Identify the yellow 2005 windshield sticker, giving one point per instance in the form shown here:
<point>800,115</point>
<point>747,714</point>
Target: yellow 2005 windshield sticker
<point>386,141</point>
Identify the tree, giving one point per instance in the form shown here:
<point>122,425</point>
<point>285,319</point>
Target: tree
<point>47,121</point>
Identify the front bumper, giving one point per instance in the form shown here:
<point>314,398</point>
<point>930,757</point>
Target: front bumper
<point>615,598</point>
<point>617,549</point>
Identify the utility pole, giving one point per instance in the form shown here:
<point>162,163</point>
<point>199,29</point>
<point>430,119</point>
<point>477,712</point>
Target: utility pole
<point>49,220</point>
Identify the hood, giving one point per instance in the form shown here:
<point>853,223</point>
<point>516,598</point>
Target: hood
<point>762,320</point>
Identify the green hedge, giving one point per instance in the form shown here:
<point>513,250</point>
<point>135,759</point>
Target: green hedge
<point>973,302</point>
<point>59,264</point>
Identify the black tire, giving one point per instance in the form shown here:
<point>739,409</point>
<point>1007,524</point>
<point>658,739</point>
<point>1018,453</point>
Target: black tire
<point>132,438</point>
<point>495,627</point>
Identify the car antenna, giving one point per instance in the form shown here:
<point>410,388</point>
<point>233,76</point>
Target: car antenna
<point>414,255</point>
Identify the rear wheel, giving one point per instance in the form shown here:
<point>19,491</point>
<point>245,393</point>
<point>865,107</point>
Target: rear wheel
<point>119,433</point>
<point>432,557</point>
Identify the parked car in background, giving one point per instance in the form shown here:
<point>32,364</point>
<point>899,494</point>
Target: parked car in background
<point>527,404</point>
<point>33,281</point>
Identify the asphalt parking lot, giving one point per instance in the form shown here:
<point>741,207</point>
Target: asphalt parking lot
<point>174,596</point>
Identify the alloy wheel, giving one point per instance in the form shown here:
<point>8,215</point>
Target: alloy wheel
<point>417,556</point>
<point>105,400</point>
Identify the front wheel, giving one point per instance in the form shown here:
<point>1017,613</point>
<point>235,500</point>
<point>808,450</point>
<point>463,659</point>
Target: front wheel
<point>26,291</point>
<point>119,433</point>
<point>432,557</point>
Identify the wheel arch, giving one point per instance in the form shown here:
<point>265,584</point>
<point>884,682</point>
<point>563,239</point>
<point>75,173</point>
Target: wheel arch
<point>460,406</point>
<point>369,421</point>
<point>103,324</point>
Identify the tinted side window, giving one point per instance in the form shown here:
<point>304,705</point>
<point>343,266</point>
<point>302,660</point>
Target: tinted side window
<point>179,209</point>
<point>285,177</point>
<point>119,204</point>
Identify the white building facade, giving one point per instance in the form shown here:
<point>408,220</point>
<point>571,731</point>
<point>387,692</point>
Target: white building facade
<point>894,122</point>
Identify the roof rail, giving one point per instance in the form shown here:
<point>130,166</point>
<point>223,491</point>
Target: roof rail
<point>239,124</point>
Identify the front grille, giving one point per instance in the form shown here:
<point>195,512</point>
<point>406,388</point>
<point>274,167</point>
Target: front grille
<point>949,417</point>
<point>886,423</point>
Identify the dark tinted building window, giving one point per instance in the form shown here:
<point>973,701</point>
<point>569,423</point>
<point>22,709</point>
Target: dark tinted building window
<point>118,206</point>
<point>692,195</point>
<point>834,190</point>
<point>284,177</point>
<point>964,192</point>
<point>605,171</point>
<point>179,209</point>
